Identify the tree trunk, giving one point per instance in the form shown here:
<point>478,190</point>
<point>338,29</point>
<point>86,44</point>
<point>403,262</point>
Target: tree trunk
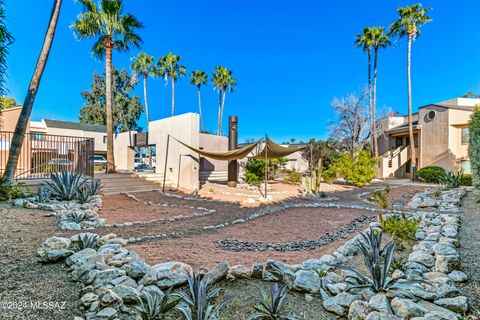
<point>219,109</point>
<point>221,112</point>
<point>200,109</point>
<point>374,105</point>
<point>21,127</point>
<point>370,99</point>
<point>413,170</point>
<point>145,98</point>
<point>173,96</point>
<point>108,96</point>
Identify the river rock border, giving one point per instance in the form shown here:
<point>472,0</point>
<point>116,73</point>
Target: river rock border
<point>114,277</point>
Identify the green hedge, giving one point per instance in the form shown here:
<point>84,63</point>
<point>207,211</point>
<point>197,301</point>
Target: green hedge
<point>431,174</point>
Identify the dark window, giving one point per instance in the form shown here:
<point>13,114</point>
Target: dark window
<point>104,139</point>
<point>38,136</point>
<point>465,135</point>
<point>398,142</point>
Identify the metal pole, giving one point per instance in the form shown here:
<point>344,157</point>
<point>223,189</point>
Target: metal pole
<point>232,145</point>
<point>165,169</point>
<point>266,166</point>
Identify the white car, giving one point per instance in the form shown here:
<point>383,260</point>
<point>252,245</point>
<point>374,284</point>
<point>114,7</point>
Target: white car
<point>99,161</point>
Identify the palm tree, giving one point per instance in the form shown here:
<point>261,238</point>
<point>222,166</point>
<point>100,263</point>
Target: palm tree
<point>112,30</point>
<point>168,67</point>
<point>379,39</point>
<point>223,80</point>
<point>6,39</point>
<point>22,123</point>
<point>143,66</point>
<point>198,78</point>
<point>364,40</point>
<point>410,19</point>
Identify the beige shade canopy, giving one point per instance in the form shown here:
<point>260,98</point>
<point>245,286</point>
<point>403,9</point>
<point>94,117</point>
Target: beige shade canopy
<point>275,151</point>
<point>227,155</point>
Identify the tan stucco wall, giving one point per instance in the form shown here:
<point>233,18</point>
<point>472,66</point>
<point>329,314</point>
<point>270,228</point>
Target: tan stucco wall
<point>9,118</point>
<point>123,152</point>
<point>182,164</point>
<point>212,142</point>
<point>434,138</point>
<point>8,121</point>
<point>458,119</point>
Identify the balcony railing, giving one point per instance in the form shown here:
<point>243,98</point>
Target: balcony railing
<point>42,154</point>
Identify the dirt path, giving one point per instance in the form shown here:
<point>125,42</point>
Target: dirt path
<point>470,249</point>
<point>29,289</point>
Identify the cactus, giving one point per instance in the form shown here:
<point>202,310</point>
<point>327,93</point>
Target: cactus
<point>312,184</point>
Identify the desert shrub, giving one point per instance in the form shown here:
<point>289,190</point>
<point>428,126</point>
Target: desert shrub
<point>380,197</point>
<point>452,180</point>
<point>329,175</point>
<point>252,178</point>
<point>466,180</point>
<point>91,188</point>
<point>431,174</point>
<point>400,227</point>
<point>474,148</point>
<point>12,190</point>
<point>43,194</point>
<point>257,167</point>
<point>358,169</point>
<point>398,264</point>
<point>293,178</point>
<point>65,185</point>
<point>84,242</point>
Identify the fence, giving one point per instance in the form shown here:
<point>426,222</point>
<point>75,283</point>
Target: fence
<point>42,154</point>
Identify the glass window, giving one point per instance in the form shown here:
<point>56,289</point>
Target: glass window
<point>104,139</point>
<point>398,142</point>
<point>466,167</point>
<point>465,135</point>
<point>38,136</point>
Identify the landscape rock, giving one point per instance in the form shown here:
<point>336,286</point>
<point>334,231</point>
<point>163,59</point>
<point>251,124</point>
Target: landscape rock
<point>56,255</point>
<point>239,272</point>
<point>109,298</point>
<point>447,264</point>
<point>306,281</point>
<point>128,294</point>
<point>88,298</point>
<point>257,271</point>
<point>358,310</point>
<point>380,302</point>
<point>106,276</point>
<point>218,273</point>
<point>277,271</point>
<point>340,303</point>
<point>138,269</point>
<point>422,257</point>
<point>375,315</point>
<point>457,304</point>
<point>405,308</point>
<point>458,276</point>
<point>85,256</point>
<point>167,274</point>
<point>106,314</point>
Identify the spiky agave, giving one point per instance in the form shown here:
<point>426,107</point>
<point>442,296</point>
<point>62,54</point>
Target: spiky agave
<point>270,305</point>
<point>65,185</point>
<point>153,306</point>
<point>199,302</point>
<point>378,267</point>
<point>84,242</point>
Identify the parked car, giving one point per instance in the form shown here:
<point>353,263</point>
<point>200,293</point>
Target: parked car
<point>60,162</point>
<point>99,161</point>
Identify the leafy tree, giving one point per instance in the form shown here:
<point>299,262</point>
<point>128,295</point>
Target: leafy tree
<point>316,150</point>
<point>410,19</point>
<point>142,65</point>
<point>23,120</point>
<point>379,40</point>
<point>6,39</point>
<point>168,67</point>
<point>112,30</point>
<point>471,95</point>
<point>126,107</point>
<point>358,168</point>
<point>255,169</point>
<point>224,81</point>
<point>8,102</point>
<point>199,78</point>
<point>474,147</point>
<point>364,40</point>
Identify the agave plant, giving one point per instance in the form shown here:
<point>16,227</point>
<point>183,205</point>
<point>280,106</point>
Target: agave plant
<point>77,216</point>
<point>43,194</point>
<point>65,185</point>
<point>84,242</point>
<point>398,264</point>
<point>153,306</point>
<point>378,267</point>
<point>270,305</point>
<point>452,180</point>
<point>199,302</point>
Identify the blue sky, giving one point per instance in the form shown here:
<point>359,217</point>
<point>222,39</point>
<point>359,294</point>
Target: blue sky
<point>290,58</point>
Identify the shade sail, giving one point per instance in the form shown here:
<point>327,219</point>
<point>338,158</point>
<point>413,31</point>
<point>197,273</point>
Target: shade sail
<point>275,151</point>
<point>227,155</point>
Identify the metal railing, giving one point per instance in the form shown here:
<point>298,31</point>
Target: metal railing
<point>42,154</point>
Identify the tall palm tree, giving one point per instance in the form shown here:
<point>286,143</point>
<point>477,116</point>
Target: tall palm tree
<point>199,78</point>
<point>22,123</point>
<point>410,19</point>
<point>379,39</point>
<point>364,40</point>
<point>224,81</point>
<point>168,67</point>
<point>6,39</point>
<point>143,66</point>
<point>113,30</point>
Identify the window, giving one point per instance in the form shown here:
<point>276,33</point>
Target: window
<point>38,136</point>
<point>465,135</point>
<point>104,139</point>
<point>466,166</point>
<point>4,144</point>
<point>398,142</point>
<point>431,115</point>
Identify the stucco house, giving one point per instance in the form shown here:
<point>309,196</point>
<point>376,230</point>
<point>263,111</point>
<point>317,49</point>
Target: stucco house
<point>441,135</point>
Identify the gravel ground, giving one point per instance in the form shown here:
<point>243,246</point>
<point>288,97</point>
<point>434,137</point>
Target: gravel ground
<point>26,284</point>
<point>470,249</point>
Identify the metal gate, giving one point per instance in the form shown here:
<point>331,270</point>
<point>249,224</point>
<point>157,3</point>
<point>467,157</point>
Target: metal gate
<point>42,154</point>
